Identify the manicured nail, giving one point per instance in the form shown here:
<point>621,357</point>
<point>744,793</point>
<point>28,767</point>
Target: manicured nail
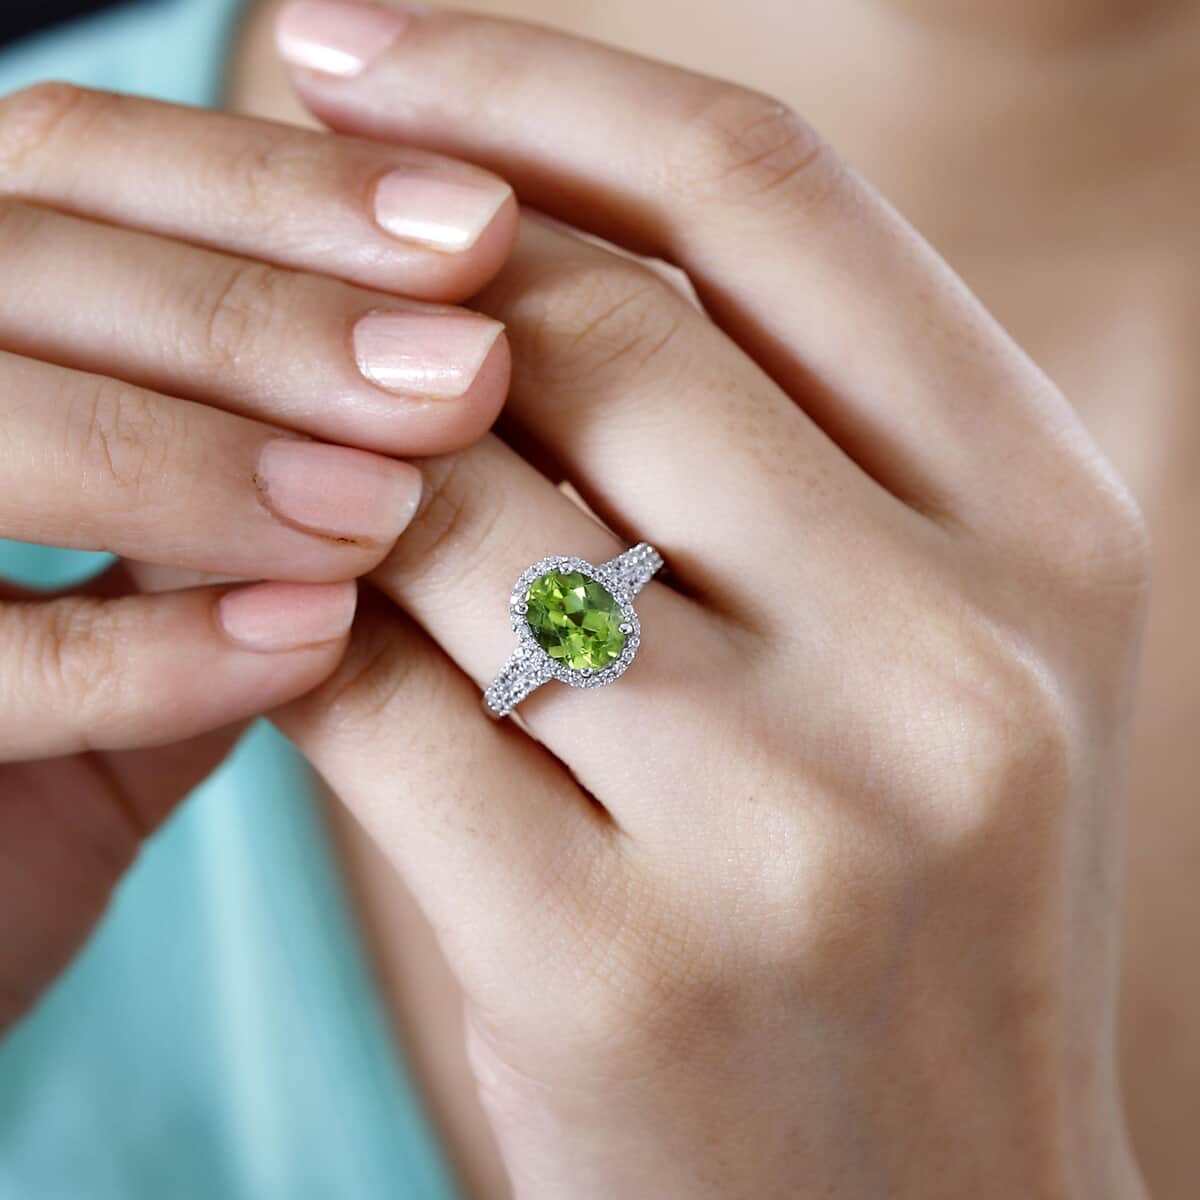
<point>423,354</point>
<point>272,617</point>
<point>336,491</point>
<point>444,214</point>
<point>336,38</point>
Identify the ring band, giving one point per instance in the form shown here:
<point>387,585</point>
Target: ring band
<point>575,623</point>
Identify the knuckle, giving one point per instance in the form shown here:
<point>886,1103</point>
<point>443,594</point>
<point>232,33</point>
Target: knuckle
<point>832,879</point>
<point>32,120</point>
<point>804,849</point>
<point>373,681</point>
<point>1016,724</point>
<point>1010,761</point>
<point>571,322</point>
<point>269,164</point>
<point>742,145</point>
<point>1108,550</point>
<point>987,750</point>
<point>122,438</point>
<point>236,311</point>
<point>71,651</point>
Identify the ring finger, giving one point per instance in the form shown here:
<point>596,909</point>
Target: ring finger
<point>663,424</point>
<point>486,516</point>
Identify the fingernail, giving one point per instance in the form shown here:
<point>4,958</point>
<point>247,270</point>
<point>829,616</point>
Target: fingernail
<point>444,214</point>
<point>336,491</point>
<point>336,38</point>
<point>271,617</point>
<point>423,354</point>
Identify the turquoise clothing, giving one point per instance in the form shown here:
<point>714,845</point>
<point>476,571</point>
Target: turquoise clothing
<point>220,1037</point>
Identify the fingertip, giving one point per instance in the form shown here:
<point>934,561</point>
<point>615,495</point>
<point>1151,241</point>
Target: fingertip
<point>483,401</point>
<point>336,39</point>
<point>274,618</point>
<point>453,255</point>
<point>492,247</point>
<point>346,497</point>
<point>452,223</point>
<point>417,422</point>
<point>445,207</point>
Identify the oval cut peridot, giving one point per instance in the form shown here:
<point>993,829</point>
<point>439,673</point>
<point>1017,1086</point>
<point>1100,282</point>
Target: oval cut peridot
<point>575,620</point>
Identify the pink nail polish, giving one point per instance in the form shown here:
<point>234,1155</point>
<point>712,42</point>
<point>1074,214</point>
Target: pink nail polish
<point>445,214</point>
<point>336,38</point>
<point>275,617</point>
<point>424,354</point>
<point>336,491</point>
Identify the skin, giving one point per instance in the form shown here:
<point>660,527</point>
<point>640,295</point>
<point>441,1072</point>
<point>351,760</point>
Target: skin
<point>1063,247</point>
<point>153,400</point>
<point>1031,773</point>
<point>1061,1136</point>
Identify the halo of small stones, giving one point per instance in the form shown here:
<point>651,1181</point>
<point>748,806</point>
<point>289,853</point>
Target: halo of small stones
<point>551,668</point>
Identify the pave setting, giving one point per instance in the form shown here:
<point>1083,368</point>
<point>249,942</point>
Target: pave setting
<point>575,622</point>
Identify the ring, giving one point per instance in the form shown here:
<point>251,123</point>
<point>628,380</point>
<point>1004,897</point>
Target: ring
<point>575,623</point>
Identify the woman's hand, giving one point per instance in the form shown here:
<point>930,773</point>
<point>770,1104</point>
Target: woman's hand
<point>190,317</point>
<point>820,898</point>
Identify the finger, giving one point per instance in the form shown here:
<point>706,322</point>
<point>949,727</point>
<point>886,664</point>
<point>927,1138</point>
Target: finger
<point>486,516</point>
<point>309,352</point>
<point>804,264</point>
<point>94,464</point>
<point>150,577</point>
<point>85,674</point>
<point>662,423</point>
<point>399,220</point>
<point>448,795</point>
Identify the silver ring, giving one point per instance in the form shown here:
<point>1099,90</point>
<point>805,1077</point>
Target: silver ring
<point>575,622</point>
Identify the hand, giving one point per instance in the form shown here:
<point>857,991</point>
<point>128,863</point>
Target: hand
<point>819,899</point>
<point>173,323</point>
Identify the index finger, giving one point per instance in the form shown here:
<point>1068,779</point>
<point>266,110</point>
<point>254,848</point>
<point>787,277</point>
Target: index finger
<point>399,220</point>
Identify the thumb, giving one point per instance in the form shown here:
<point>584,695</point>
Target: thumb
<point>81,673</point>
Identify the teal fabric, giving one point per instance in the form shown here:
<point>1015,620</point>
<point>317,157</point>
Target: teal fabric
<point>220,1037</point>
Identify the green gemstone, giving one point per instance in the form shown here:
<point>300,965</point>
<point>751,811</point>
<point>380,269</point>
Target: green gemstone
<point>575,620</point>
